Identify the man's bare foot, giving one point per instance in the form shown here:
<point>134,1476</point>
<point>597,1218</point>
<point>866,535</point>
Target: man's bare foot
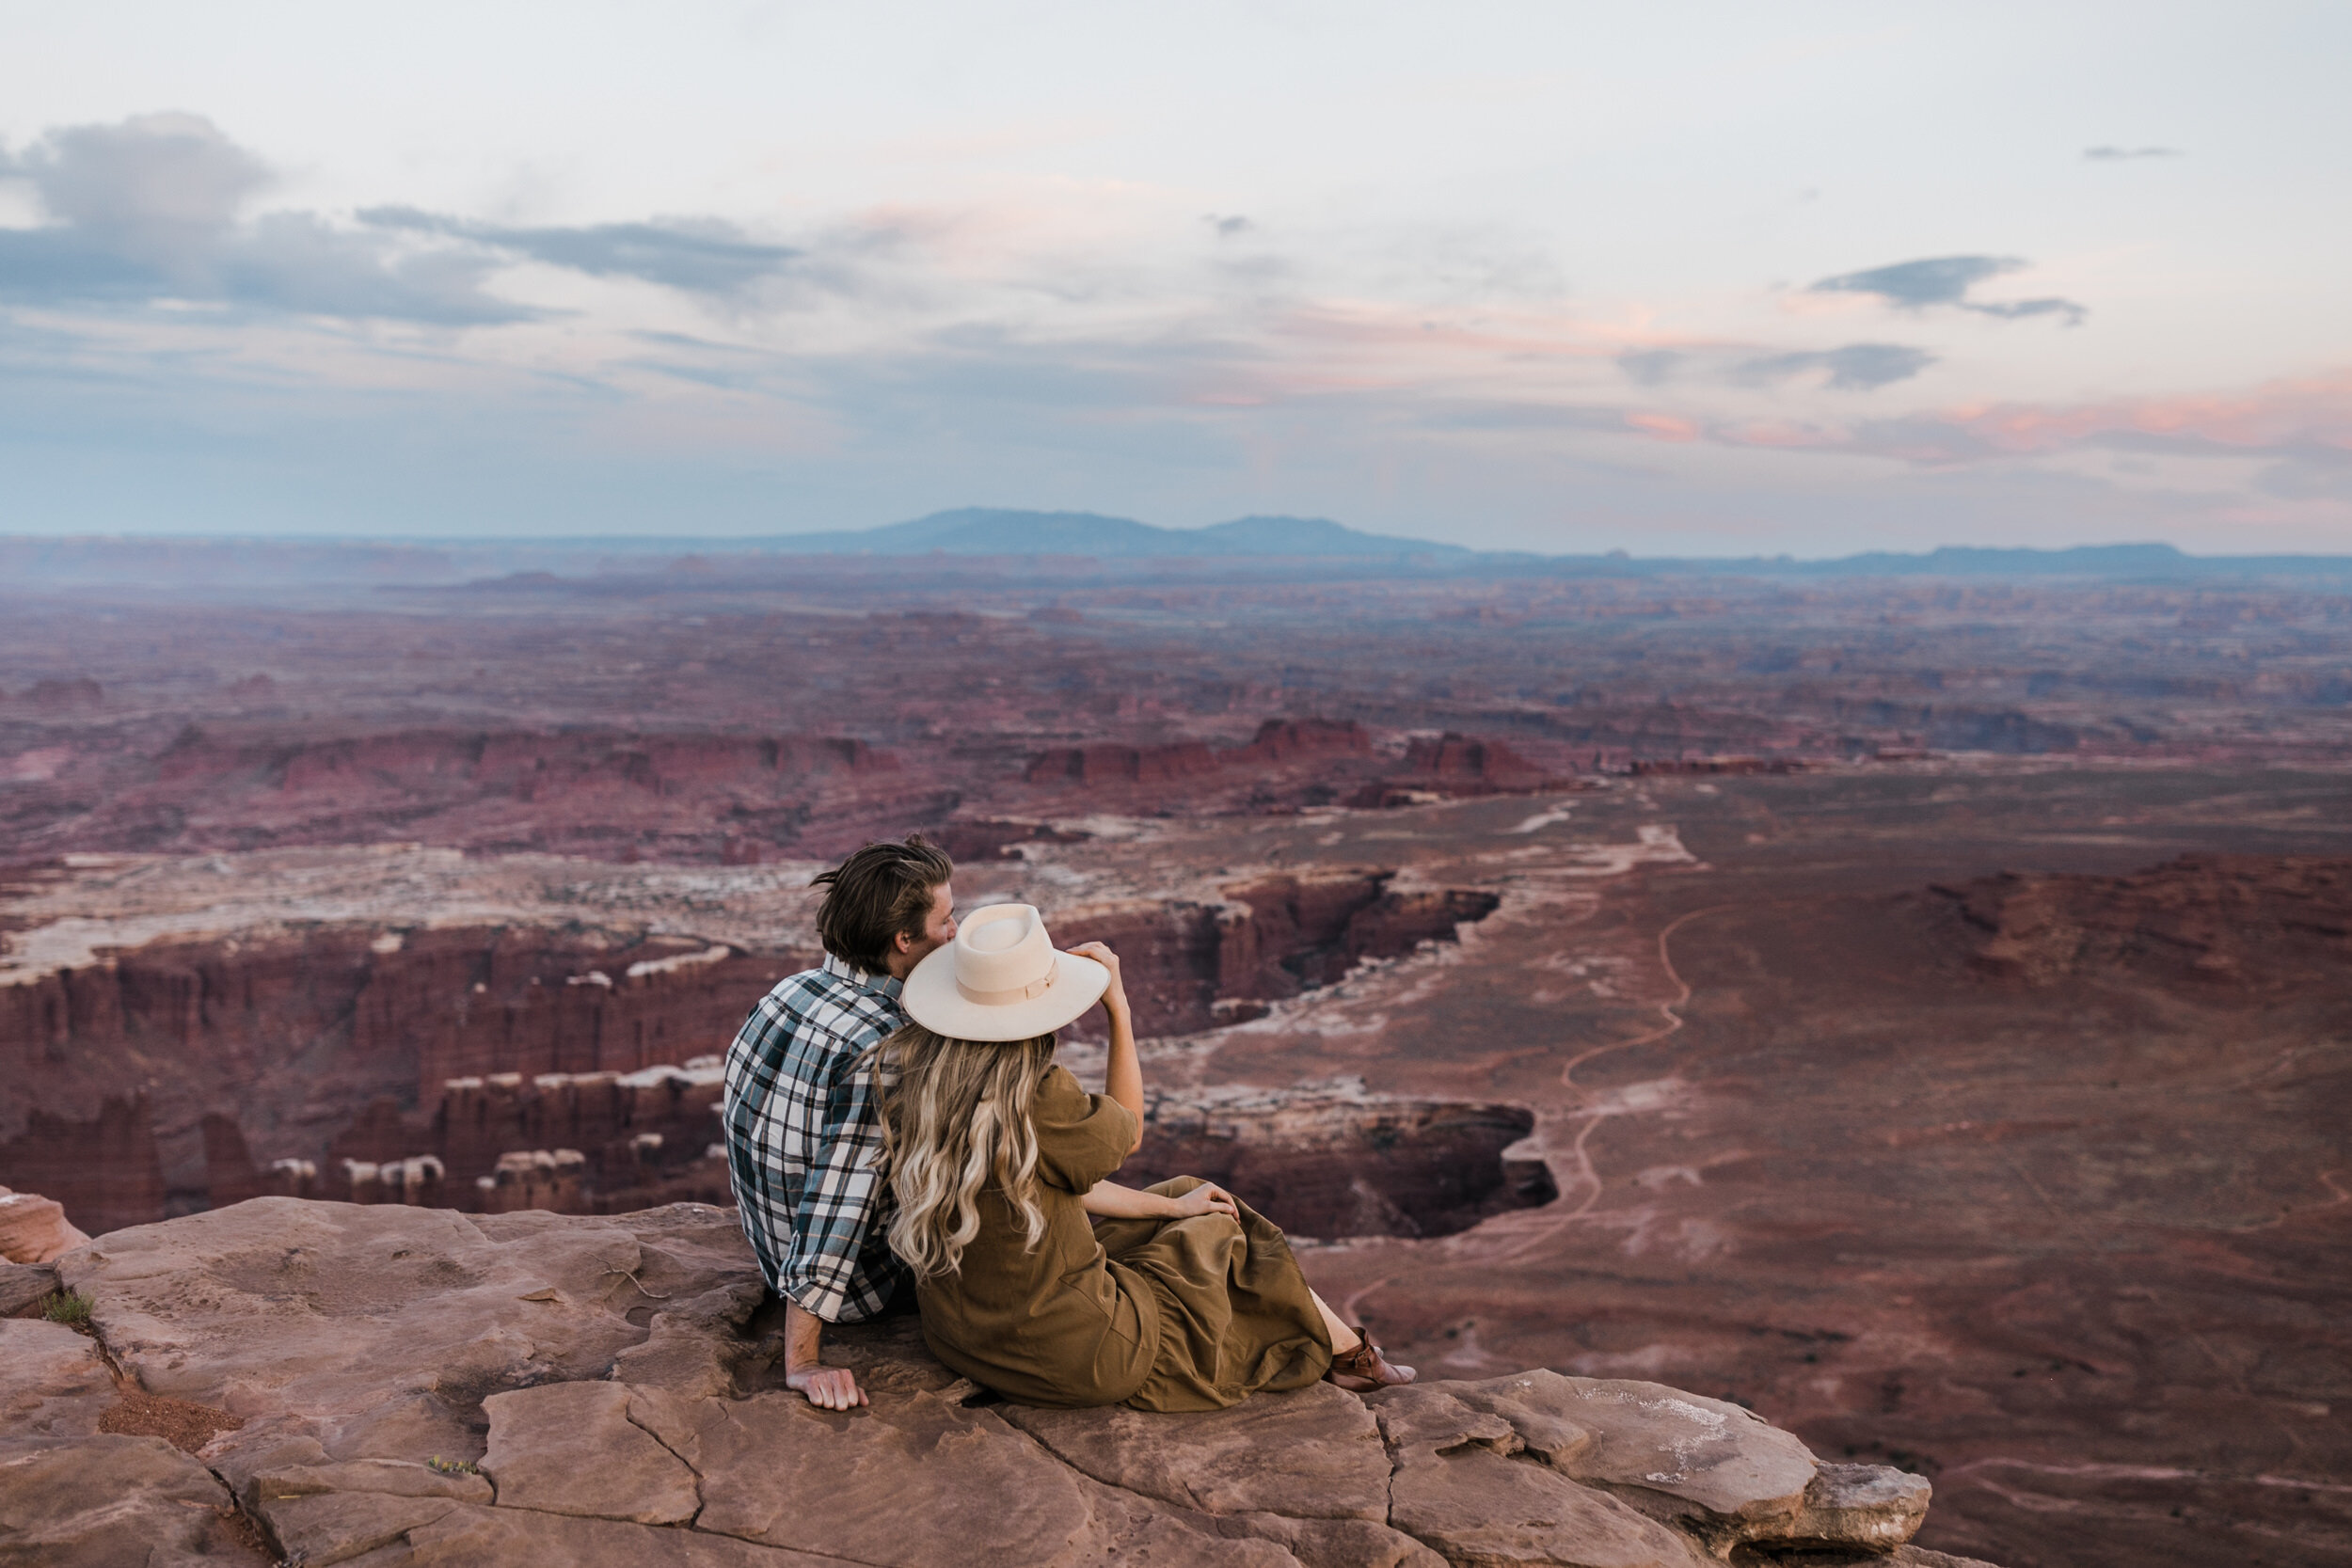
<point>827,1387</point>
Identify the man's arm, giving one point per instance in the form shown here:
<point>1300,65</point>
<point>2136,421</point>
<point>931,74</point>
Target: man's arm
<point>819,1274</point>
<point>826,1387</point>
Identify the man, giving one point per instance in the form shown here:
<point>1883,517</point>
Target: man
<point>802,1127</point>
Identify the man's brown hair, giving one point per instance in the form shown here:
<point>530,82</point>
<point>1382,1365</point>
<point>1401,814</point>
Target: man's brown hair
<point>879,892</point>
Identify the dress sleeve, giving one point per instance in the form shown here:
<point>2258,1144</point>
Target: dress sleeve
<point>1081,1137</point>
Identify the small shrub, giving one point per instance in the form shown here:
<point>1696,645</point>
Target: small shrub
<point>70,1308</point>
<point>454,1466</point>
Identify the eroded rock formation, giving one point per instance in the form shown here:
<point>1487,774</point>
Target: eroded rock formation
<point>397,1385</point>
<point>1193,964</point>
<point>459,1064</point>
<point>696,795</point>
<point>34,1229</point>
<point>104,1169</point>
<point>1454,764</point>
<point>1288,762</point>
<point>256,1051</point>
<point>2228,920</point>
<point>1331,1164</point>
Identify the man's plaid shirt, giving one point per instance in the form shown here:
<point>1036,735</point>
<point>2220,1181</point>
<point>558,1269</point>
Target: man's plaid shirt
<point>803,1134</point>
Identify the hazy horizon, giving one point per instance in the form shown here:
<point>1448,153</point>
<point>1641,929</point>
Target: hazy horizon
<point>652,543</point>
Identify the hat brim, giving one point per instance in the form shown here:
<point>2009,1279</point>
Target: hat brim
<point>931,998</point>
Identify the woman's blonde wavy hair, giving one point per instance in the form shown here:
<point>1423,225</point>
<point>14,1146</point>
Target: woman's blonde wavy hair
<point>955,1121</point>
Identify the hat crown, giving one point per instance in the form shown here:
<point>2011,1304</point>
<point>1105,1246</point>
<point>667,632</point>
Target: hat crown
<point>1000,980</point>
<point>1003,955</point>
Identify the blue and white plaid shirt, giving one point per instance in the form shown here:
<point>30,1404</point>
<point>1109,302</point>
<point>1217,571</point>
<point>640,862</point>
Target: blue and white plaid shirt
<point>805,1136</point>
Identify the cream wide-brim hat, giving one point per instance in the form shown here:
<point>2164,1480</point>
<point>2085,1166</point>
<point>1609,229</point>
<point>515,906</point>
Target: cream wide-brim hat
<point>1001,980</point>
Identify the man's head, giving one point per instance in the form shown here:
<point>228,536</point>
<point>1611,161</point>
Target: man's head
<point>888,906</point>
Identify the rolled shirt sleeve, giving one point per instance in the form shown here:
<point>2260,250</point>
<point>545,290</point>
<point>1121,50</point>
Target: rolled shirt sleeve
<point>804,1139</point>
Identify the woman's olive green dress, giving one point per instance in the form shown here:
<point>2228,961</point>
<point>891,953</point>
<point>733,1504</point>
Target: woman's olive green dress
<point>1191,1314</point>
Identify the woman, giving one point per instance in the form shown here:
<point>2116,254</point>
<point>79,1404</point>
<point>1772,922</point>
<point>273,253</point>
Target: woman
<point>1184,1298</point>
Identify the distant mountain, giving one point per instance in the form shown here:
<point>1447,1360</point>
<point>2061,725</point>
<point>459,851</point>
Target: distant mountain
<point>1314,536</point>
<point>986,530</point>
<point>1292,550</point>
<point>1973,561</point>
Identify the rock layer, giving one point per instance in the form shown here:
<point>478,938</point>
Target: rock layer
<point>338,1042</point>
<point>1333,1164</point>
<point>424,1386</point>
<point>34,1229</point>
<point>417,1063</point>
<point>2256,921</point>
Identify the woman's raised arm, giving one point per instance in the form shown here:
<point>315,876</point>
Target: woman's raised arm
<point>1122,1080</point>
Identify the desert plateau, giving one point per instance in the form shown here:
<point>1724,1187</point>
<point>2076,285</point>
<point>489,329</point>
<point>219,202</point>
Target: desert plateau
<point>1913,1007</point>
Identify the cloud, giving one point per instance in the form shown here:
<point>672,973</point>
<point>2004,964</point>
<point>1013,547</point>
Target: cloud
<point>2306,422</point>
<point>698,256</point>
<point>147,210</point>
<point>1947,280</point>
<point>1940,280</point>
<point>2113,154</point>
<point>1227,226</point>
<point>2014,309</point>
<point>1651,367</point>
<point>144,185</point>
<point>1856,368</point>
<point>152,209</point>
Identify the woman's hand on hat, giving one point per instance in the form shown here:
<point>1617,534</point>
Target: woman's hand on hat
<point>1207,1198</point>
<point>1115,994</point>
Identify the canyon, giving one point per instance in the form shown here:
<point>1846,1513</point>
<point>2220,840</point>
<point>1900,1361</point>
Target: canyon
<point>1915,1010</point>
<point>291,1048</point>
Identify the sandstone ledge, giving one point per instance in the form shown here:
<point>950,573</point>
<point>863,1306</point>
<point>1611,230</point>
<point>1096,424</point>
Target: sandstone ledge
<point>422,1386</point>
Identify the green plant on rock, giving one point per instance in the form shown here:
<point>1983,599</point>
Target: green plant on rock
<point>70,1308</point>
<point>454,1466</point>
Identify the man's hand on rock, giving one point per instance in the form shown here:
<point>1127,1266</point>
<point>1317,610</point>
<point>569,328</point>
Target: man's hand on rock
<point>804,1369</point>
<point>827,1387</point>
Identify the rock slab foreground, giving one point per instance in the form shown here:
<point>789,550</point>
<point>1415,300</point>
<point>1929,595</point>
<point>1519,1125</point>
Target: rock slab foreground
<point>419,1387</point>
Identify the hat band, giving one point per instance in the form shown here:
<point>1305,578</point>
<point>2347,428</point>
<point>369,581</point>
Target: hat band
<point>1014,993</point>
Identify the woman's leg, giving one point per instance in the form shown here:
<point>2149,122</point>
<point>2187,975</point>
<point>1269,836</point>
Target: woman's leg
<point>1344,1338</point>
<point>1357,1363</point>
<point>1376,1371</point>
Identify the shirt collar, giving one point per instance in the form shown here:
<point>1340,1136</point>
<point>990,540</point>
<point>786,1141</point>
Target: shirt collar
<point>878,981</point>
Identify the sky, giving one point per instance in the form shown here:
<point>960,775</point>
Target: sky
<point>1678,279</point>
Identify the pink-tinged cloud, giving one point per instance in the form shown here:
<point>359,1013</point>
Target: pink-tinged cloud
<point>2317,411</point>
<point>1664,427</point>
<point>2279,418</point>
<point>1414,338</point>
<point>1782,432</point>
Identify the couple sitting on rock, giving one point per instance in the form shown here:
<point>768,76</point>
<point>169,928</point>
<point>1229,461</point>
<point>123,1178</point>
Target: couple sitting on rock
<point>896,1111</point>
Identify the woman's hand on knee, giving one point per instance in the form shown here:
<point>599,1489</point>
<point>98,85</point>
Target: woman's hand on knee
<point>1207,1198</point>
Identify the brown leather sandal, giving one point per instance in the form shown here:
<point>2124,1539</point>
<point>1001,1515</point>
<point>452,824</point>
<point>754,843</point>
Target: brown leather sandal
<point>1364,1369</point>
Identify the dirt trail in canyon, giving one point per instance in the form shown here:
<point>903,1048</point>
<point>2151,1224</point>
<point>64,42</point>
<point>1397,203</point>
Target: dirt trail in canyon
<point>1515,1237</point>
<point>1585,1174</point>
